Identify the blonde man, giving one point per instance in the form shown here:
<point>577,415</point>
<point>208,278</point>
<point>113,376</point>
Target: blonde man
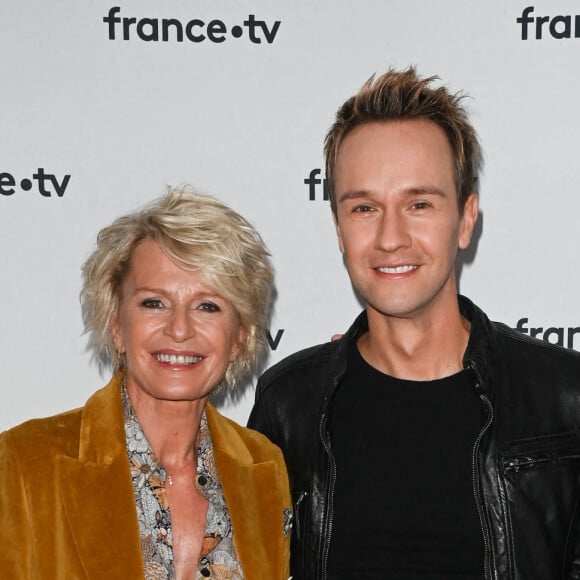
<point>428,443</point>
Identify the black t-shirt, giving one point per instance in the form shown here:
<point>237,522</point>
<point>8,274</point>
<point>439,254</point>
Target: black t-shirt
<point>404,506</point>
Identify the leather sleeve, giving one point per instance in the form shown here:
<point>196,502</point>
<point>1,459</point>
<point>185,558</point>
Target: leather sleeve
<point>573,568</point>
<point>259,418</point>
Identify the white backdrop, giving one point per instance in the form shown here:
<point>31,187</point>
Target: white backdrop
<point>240,111</point>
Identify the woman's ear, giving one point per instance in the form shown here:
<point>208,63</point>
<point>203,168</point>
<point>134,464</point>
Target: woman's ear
<point>238,346</point>
<point>116,334</point>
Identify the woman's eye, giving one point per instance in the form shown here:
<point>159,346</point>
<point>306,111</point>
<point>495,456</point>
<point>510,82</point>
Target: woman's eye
<point>152,303</point>
<point>209,307</point>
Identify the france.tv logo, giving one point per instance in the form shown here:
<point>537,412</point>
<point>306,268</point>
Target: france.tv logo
<point>195,30</point>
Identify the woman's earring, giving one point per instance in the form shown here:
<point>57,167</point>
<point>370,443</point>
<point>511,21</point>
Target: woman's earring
<point>120,361</point>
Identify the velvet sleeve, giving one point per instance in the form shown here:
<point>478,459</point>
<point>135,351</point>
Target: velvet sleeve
<point>16,546</point>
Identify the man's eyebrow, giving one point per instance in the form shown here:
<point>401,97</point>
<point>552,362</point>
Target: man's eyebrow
<point>424,191</point>
<point>357,194</point>
<point>408,192</point>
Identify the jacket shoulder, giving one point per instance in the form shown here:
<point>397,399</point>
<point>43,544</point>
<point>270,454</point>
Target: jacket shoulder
<point>261,448</point>
<point>543,375</point>
<point>47,430</point>
<point>534,352</point>
<point>309,361</point>
<point>238,441</point>
<point>39,439</point>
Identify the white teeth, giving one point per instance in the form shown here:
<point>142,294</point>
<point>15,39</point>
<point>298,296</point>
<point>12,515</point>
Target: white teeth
<point>396,269</point>
<point>178,359</point>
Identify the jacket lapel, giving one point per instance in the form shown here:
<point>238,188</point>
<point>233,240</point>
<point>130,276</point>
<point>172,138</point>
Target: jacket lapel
<point>97,494</point>
<point>254,498</point>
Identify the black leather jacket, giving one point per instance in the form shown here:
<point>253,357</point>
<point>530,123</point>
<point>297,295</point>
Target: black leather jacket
<point>526,459</point>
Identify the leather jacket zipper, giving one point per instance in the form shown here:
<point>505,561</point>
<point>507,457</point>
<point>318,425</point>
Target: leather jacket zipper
<point>329,498</point>
<point>297,512</point>
<point>331,483</point>
<point>475,478</point>
<point>517,463</point>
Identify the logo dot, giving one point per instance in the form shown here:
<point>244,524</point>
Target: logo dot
<point>237,31</point>
<point>26,184</point>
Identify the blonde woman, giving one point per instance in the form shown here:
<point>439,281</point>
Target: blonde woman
<point>148,480</point>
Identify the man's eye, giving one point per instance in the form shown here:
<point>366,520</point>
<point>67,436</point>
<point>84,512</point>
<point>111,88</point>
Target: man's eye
<point>152,303</point>
<point>209,307</point>
<point>363,208</point>
<point>421,205</point>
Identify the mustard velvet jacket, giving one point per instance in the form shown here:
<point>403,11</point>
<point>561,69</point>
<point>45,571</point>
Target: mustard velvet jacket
<point>67,509</point>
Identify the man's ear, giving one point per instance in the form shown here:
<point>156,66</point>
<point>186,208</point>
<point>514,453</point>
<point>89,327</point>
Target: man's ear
<point>468,220</point>
<point>338,233</point>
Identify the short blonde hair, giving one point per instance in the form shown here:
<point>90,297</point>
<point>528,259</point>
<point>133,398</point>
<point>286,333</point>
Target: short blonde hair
<point>400,95</point>
<point>199,234</point>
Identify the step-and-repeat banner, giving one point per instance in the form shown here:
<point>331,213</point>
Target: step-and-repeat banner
<point>104,104</point>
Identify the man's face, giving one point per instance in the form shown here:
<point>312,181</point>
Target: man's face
<point>398,221</point>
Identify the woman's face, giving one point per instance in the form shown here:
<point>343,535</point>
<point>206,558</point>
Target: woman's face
<point>177,333</point>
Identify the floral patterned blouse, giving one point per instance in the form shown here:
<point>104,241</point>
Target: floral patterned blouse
<point>218,558</point>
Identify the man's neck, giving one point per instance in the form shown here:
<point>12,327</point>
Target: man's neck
<point>424,347</point>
